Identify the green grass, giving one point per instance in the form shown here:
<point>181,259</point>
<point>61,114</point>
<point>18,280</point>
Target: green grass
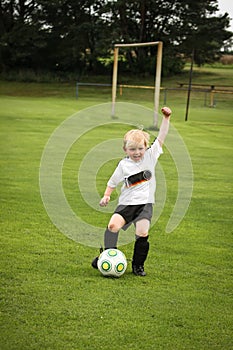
<point>50,296</point>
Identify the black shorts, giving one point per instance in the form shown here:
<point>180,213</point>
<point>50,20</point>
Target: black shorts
<point>134,213</point>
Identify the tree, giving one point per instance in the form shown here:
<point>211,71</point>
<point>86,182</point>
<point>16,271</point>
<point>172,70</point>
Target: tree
<point>77,35</point>
<point>200,30</point>
<point>20,34</point>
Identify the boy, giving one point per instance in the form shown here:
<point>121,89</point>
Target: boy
<point>135,204</point>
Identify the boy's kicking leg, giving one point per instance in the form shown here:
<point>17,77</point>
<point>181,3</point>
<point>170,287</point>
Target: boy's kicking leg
<point>111,234</point>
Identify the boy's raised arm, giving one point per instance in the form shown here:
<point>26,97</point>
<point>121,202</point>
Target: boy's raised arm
<point>164,127</point>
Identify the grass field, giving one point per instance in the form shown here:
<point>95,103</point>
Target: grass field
<point>50,296</point>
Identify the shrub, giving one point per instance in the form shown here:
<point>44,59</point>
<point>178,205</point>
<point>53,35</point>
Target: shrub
<point>226,59</point>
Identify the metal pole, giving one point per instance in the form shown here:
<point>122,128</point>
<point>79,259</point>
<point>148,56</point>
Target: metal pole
<point>164,96</point>
<point>190,86</point>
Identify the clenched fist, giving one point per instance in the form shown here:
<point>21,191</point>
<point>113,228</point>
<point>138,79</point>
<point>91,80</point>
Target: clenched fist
<point>166,112</point>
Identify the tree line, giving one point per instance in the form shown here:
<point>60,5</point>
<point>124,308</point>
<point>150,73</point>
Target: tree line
<point>79,35</point>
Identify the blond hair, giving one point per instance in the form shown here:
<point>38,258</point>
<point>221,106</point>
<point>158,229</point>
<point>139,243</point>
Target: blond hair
<point>136,137</point>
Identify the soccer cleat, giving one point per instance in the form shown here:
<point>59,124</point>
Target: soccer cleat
<point>138,270</point>
<point>95,261</point>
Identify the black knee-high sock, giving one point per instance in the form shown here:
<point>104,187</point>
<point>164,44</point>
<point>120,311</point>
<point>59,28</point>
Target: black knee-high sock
<point>110,239</point>
<point>141,248</point>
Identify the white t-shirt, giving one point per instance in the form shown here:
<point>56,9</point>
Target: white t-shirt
<point>142,191</point>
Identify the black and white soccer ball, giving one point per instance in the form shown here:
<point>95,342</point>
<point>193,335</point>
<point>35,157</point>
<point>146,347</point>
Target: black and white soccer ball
<point>112,262</point>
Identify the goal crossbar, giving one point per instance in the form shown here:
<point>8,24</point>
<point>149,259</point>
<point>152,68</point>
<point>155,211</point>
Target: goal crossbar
<point>151,43</point>
<point>157,74</point>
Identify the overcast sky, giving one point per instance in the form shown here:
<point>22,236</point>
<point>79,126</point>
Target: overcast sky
<point>226,6</point>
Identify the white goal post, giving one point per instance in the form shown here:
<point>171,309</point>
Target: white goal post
<point>157,75</point>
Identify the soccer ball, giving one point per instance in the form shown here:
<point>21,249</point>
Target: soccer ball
<point>112,262</point>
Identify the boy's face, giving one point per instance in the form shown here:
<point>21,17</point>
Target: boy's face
<point>135,151</point>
